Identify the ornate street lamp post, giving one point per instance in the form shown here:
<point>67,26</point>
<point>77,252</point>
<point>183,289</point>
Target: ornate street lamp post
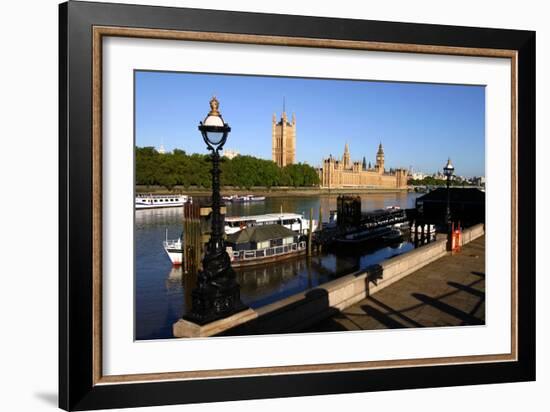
<point>448,171</point>
<point>217,294</point>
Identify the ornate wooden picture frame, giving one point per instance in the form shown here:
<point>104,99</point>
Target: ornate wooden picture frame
<point>82,383</point>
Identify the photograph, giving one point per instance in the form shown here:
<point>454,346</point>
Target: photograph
<point>272,204</point>
<point>260,205</point>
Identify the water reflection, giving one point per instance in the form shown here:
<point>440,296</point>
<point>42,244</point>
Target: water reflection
<point>163,293</point>
<point>303,204</point>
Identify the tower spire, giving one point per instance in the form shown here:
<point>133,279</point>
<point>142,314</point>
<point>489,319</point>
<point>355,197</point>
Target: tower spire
<point>346,160</point>
<point>380,159</point>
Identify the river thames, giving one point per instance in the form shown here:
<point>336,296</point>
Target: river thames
<point>161,293</point>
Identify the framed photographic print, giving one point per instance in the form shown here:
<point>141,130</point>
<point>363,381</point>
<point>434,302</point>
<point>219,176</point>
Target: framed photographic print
<point>258,205</point>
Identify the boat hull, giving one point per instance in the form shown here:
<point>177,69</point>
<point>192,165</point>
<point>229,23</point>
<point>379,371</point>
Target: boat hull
<point>177,260</point>
<point>176,256</point>
<point>141,207</point>
<point>270,259</point>
<point>379,237</point>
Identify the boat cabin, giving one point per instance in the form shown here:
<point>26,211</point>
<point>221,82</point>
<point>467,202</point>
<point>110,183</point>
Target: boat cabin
<point>259,244</point>
<point>262,237</point>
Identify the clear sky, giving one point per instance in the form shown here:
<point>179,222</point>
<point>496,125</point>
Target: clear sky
<point>419,125</point>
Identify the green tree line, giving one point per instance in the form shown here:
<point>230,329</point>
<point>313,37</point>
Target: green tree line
<point>182,169</point>
<point>432,181</point>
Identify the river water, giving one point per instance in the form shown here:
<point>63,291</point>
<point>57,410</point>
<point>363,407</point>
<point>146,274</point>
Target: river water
<point>162,293</point>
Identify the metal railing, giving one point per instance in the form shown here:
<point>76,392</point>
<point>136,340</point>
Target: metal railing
<point>240,255</point>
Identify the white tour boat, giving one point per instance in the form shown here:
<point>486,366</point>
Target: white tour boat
<point>293,221</point>
<point>243,199</point>
<point>247,199</point>
<point>147,201</point>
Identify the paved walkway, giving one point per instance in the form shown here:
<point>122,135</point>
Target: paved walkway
<point>447,292</point>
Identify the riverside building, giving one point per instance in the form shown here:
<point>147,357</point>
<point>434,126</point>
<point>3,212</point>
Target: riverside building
<point>345,173</point>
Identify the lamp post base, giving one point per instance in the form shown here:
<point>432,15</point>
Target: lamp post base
<point>184,328</point>
<point>215,301</point>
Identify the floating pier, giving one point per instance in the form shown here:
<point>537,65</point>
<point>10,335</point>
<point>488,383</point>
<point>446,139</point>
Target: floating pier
<point>351,219</point>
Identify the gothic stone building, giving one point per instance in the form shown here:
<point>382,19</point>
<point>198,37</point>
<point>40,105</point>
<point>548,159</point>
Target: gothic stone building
<point>283,140</point>
<point>343,173</point>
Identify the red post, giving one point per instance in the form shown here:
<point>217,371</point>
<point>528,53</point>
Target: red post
<point>456,234</point>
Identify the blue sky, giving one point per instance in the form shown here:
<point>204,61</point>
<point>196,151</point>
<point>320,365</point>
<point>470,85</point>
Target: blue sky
<point>419,125</point>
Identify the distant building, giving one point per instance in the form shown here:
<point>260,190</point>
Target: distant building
<point>230,153</point>
<point>283,140</point>
<point>161,149</point>
<point>419,175</point>
<point>344,173</point>
<point>478,181</point>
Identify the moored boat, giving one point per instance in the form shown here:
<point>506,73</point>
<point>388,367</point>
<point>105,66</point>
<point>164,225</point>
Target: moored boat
<point>149,201</point>
<point>364,237</point>
<point>244,198</point>
<point>251,246</point>
<point>263,244</point>
<point>174,250</point>
<point>293,221</point>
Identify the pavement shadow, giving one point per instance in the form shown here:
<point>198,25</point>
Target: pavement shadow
<point>466,318</point>
<point>381,317</point>
<point>397,313</point>
<point>464,288</point>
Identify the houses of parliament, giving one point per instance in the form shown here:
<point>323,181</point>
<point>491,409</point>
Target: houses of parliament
<point>335,173</point>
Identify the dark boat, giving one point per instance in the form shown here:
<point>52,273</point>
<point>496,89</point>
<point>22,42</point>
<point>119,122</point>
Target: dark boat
<point>365,237</point>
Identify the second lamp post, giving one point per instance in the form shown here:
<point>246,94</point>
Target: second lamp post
<point>448,171</point>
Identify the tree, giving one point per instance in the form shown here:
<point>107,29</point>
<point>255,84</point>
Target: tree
<point>180,168</point>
